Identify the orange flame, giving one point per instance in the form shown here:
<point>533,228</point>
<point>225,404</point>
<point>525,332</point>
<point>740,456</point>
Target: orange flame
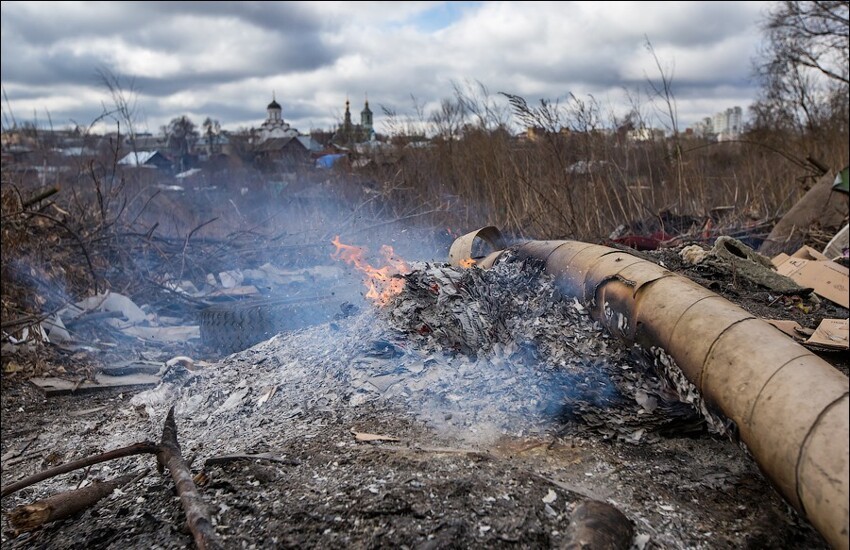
<point>469,262</point>
<point>382,282</point>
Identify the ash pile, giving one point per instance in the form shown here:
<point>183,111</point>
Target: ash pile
<point>500,349</point>
<point>475,354</point>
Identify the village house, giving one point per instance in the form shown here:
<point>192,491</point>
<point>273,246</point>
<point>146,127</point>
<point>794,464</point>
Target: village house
<point>145,159</point>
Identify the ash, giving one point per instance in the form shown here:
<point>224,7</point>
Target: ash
<point>475,354</point>
<point>504,350</point>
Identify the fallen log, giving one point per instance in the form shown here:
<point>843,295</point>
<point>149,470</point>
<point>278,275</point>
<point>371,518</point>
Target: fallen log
<point>789,405</point>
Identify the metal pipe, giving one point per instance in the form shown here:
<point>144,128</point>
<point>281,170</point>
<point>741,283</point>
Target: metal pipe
<point>790,406</point>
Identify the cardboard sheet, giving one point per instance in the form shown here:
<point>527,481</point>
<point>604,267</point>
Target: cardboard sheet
<point>828,279</point>
<point>831,333</point>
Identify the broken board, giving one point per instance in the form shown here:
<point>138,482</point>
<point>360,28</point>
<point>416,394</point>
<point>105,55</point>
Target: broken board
<point>52,385</point>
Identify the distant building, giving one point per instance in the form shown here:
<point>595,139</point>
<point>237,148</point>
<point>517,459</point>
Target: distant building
<point>146,159</point>
<point>144,141</point>
<point>729,124</point>
<point>348,133</point>
<point>274,126</point>
<point>704,128</point>
<point>723,126</point>
<point>535,133</point>
<point>645,134</point>
<point>282,153</point>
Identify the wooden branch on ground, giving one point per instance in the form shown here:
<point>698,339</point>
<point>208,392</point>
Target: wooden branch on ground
<point>168,455</point>
<point>146,447</point>
<point>271,457</point>
<point>63,505</point>
<point>197,516</point>
<point>40,197</point>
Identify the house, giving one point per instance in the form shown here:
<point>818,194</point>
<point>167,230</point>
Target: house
<point>146,159</point>
<point>287,153</point>
<point>644,134</point>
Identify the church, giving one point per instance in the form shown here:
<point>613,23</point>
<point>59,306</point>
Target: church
<point>278,145</point>
<point>274,126</point>
<point>348,134</point>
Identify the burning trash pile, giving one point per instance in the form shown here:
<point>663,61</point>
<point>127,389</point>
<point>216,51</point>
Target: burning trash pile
<point>503,348</point>
<point>476,354</point>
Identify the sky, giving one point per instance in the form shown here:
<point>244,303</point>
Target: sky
<point>226,60</point>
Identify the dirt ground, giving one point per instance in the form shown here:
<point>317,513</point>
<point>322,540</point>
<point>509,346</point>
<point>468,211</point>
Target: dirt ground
<point>449,454</point>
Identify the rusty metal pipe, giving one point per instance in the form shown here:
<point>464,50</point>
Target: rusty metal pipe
<point>790,406</point>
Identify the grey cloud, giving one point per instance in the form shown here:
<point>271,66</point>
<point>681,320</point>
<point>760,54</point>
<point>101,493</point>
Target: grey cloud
<point>31,67</point>
<point>42,54</point>
<point>292,40</point>
<point>36,23</point>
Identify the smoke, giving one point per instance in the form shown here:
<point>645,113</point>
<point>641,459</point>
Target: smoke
<point>479,355</point>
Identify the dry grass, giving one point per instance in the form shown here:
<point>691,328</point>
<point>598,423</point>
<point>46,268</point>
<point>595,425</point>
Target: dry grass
<point>583,186</point>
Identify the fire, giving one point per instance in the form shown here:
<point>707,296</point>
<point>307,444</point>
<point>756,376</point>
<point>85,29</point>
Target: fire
<point>382,282</point>
<point>469,262</point>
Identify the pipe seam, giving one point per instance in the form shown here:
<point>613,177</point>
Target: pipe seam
<point>646,284</point>
<point>714,343</point>
<point>749,418</point>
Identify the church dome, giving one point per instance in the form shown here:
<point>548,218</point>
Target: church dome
<point>274,105</point>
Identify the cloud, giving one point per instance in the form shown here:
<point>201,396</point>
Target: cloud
<point>225,59</point>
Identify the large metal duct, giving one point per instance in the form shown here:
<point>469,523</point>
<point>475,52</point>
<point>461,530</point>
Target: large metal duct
<point>791,408</point>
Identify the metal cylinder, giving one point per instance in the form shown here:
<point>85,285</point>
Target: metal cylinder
<point>790,406</point>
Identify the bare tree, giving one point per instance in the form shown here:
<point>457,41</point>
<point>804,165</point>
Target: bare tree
<point>181,135</point>
<point>124,96</point>
<point>483,107</point>
<point>812,34</point>
<point>406,128</point>
<point>449,121</point>
<point>212,129</point>
<point>805,63</point>
<point>663,91</point>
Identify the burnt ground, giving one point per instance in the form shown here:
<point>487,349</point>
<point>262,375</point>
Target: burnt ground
<point>490,434</point>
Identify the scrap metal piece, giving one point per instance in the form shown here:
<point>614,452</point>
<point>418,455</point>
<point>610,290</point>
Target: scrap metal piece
<point>462,249</point>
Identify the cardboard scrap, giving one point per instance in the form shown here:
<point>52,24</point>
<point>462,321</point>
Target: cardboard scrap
<point>809,253</point>
<point>362,436</point>
<point>792,329</point>
<point>830,334</point>
<point>810,269</point>
<point>111,301</point>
